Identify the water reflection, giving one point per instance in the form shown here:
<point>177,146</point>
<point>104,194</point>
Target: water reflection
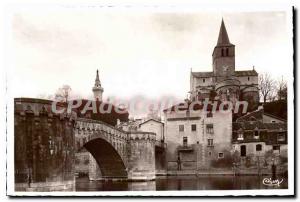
<point>179,183</point>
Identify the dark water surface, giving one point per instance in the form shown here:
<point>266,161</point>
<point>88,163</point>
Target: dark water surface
<point>180,183</point>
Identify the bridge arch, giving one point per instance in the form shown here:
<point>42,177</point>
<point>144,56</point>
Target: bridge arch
<point>107,157</point>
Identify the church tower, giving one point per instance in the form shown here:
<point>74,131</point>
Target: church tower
<point>97,89</point>
<point>223,56</point>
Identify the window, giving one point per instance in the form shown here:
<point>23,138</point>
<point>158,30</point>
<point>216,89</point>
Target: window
<point>240,136</point>
<point>276,147</point>
<point>258,147</point>
<point>209,114</point>
<point>256,134</point>
<point>273,121</point>
<point>203,80</point>
<point>185,141</point>
<point>227,52</point>
<point>209,129</point>
<point>194,127</point>
<point>222,53</point>
<point>248,78</point>
<point>181,128</point>
<point>209,153</point>
<point>210,142</point>
<point>280,137</point>
<point>221,155</point>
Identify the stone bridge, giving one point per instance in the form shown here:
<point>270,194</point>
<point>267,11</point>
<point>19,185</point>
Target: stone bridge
<point>45,148</point>
<point>114,153</point>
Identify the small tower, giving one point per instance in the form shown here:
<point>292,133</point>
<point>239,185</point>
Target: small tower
<point>97,89</point>
<point>223,55</point>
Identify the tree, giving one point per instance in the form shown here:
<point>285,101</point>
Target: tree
<point>63,93</point>
<point>281,90</point>
<point>267,87</point>
<point>45,96</point>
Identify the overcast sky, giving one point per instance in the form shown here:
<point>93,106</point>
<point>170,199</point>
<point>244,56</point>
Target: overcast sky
<point>137,53</point>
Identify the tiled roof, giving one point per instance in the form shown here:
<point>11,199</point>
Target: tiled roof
<point>258,115</point>
<point>247,125</point>
<point>246,73</point>
<point>183,106</point>
<point>236,73</point>
<point>151,120</point>
<point>202,74</point>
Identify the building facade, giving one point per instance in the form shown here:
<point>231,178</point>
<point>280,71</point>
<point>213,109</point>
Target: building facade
<point>260,135</point>
<point>195,138</point>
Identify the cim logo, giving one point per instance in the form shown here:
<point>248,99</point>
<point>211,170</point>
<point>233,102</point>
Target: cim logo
<point>270,182</point>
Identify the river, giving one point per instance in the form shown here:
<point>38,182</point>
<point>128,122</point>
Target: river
<point>181,183</point>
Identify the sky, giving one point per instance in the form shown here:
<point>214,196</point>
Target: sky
<point>146,54</point>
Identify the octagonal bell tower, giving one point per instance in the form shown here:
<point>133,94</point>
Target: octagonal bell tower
<point>97,89</point>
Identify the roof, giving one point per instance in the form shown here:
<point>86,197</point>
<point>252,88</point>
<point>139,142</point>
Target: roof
<point>152,120</point>
<point>202,74</point>
<point>106,112</point>
<point>236,73</point>
<point>259,125</point>
<point>275,117</point>
<point>223,38</point>
<point>246,73</point>
<point>184,106</point>
<point>258,115</point>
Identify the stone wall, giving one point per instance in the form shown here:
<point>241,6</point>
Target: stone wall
<point>44,147</point>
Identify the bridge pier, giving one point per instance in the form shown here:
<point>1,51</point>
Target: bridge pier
<point>141,156</point>
<point>94,170</point>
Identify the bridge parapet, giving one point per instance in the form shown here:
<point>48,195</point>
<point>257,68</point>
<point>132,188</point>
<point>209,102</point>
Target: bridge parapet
<point>140,135</point>
<point>89,129</point>
<point>137,149</point>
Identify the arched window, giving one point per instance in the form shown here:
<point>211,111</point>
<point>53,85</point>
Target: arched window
<point>222,53</point>
<point>227,52</point>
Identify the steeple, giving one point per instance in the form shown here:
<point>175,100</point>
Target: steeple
<point>223,36</point>
<point>223,55</point>
<point>97,89</point>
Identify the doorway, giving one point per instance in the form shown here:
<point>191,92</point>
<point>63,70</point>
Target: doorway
<point>243,150</point>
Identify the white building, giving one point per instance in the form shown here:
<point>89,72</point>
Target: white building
<point>195,137</point>
<point>154,126</point>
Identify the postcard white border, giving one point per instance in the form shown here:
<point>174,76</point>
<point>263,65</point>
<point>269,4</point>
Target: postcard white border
<point>207,7</point>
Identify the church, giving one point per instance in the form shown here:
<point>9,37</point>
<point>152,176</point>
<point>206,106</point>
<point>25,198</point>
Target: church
<point>225,82</point>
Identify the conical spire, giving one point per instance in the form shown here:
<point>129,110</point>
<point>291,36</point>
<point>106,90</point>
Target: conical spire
<point>97,80</point>
<point>223,36</point>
